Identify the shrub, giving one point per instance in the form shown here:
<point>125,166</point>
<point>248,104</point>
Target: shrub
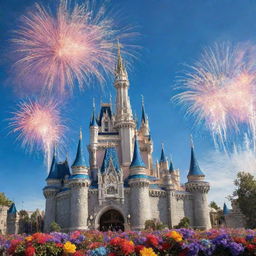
<point>55,227</point>
<point>184,223</point>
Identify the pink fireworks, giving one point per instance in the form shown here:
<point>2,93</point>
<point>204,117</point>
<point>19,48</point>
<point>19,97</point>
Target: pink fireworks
<point>220,90</point>
<point>58,50</point>
<point>39,125</point>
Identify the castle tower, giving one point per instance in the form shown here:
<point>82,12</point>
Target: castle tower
<point>12,220</point>
<point>79,183</point>
<point>50,191</point>
<point>163,163</point>
<point>199,188</point>
<point>124,119</point>
<point>144,127</point>
<point>170,195</point>
<point>94,129</point>
<point>139,191</point>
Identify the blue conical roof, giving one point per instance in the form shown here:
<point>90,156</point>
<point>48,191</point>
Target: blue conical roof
<point>53,174</point>
<point>137,159</point>
<point>171,169</point>
<point>194,169</point>
<point>80,160</point>
<point>162,158</point>
<point>143,115</point>
<point>225,209</point>
<point>93,120</point>
<point>12,209</point>
<point>110,155</point>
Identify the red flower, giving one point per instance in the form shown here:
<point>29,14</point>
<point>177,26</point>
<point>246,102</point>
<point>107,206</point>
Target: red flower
<point>78,253</point>
<point>30,251</point>
<point>14,244</point>
<point>59,245</point>
<point>138,248</point>
<point>251,247</point>
<point>94,245</point>
<point>115,241</point>
<point>152,240</point>
<point>75,235</point>
<point>111,254</point>
<point>165,246</point>
<point>127,247</point>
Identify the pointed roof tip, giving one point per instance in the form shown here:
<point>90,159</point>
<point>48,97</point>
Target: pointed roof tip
<point>12,209</point>
<point>79,160</point>
<point>194,169</point>
<point>171,169</point>
<point>120,67</point>
<point>143,115</point>
<point>225,209</point>
<point>137,159</point>
<point>93,121</point>
<point>163,157</point>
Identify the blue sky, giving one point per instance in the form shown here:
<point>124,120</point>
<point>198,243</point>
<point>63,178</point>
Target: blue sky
<point>173,33</point>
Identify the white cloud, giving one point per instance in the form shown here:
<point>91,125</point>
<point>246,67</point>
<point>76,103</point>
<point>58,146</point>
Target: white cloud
<point>221,170</point>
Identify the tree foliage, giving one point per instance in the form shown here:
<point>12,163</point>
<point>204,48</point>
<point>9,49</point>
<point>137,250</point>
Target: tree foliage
<point>55,227</point>
<point>154,224</point>
<point>184,223</point>
<point>4,200</point>
<point>214,206</point>
<point>245,193</point>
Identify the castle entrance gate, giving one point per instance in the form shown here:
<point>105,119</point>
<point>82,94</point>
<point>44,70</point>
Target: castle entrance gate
<point>111,220</point>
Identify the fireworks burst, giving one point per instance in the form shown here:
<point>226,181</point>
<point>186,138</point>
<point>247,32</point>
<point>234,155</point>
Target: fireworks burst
<point>39,126</point>
<point>73,44</point>
<point>220,90</point>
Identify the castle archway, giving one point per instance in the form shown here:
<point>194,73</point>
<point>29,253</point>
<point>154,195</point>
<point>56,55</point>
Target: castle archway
<point>111,220</point>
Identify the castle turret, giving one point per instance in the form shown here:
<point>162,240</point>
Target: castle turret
<point>79,182</point>
<point>124,119</point>
<point>144,127</point>
<point>50,191</point>
<point>94,129</point>
<point>12,220</point>
<point>139,191</point>
<point>163,163</point>
<point>170,195</point>
<point>199,189</point>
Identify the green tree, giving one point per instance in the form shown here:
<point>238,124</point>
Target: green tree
<point>4,200</point>
<point>245,193</point>
<point>184,223</point>
<point>55,227</point>
<point>214,206</point>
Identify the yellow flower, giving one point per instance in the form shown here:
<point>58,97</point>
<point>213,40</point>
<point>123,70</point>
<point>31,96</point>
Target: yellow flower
<point>29,238</point>
<point>68,247</point>
<point>175,235</point>
<point>147,252</point>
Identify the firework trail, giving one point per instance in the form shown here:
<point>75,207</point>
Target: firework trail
<point>57,49</point>
<point>39,126</point>
<point>220,91</point>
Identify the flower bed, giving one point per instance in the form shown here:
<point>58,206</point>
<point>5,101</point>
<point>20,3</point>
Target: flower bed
<point>179,242</point>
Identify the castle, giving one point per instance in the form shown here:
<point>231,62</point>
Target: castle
<point>122,188</point>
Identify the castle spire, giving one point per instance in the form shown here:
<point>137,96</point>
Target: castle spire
<point>143,115</point>
<point>137,159</point>
<point>79,161</point>
<point>53,173</point>
<point>93,119</point>
<point>171,169</point>
<point>194,169</point>
<point>12,209</point>
<point>225,209</point>
<point>162,158</point>
<point>120,68</point>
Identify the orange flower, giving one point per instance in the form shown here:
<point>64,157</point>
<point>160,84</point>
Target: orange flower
<point>175,235</point>
<point>147,252</point>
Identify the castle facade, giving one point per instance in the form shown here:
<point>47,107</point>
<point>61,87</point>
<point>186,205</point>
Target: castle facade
<point>122,187</point>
